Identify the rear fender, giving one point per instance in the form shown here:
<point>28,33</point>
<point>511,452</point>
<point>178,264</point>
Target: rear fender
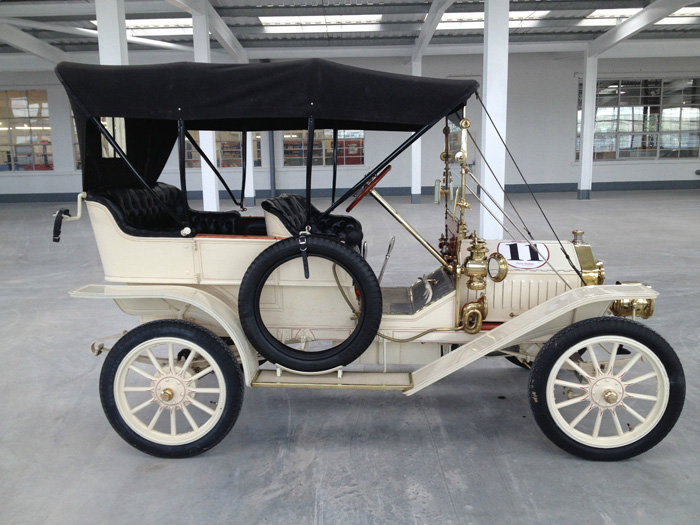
<point>180,302</point>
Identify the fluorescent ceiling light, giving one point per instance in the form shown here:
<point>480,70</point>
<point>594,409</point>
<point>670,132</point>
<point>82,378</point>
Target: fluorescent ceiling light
<point>328,19</point>
<point>321,24</point>
<point>456,21</point>
<point>614,13</point>
<point>687,11</point>
<point>145,27</point>
<point>160,31</point>
<point>681,16</point>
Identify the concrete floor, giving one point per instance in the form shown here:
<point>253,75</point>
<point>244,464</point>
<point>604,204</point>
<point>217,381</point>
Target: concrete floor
<point>465,450</point>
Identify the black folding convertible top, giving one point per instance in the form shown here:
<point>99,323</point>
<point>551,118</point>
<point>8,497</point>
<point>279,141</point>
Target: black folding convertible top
<point>264,96</point>
<point>245,97</point>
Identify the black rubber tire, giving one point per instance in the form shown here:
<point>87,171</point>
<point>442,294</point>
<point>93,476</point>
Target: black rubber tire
<point>585,330</point>
<point>196,335</point>
<point>370,296</point>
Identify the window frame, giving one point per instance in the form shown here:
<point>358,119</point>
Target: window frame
<point>36,127</point>
<point>652,108</point>
<point>350,153</point>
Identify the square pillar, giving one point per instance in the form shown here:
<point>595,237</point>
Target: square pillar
<point>495,99</point>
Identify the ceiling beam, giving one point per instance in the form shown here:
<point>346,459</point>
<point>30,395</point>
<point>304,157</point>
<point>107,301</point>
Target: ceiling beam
<point>219,29</point>
<point>73,9</point>
<point>651,14</point>
<point>437,8</point>
<point>27,43</point>
<point>90,33</point>
<point>398,8</point>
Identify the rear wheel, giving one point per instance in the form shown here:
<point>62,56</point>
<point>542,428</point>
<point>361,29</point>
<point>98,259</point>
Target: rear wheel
<point>606,389</point>
<point>171,388</point>
<point>314,324</point>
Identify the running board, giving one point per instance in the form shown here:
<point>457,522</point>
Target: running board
<point>348,380</point>
<point>545,319</point>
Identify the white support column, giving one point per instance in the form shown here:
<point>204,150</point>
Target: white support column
<point>495,98</point>
<point>61,129</point>
<point>416,159</point>
<point>249,190</point>
<point>111,32</point>
<point>588,109</point>
<point>207,139</point>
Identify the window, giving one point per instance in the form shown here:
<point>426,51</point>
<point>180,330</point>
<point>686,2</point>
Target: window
<point>351,147</point>
<point>228,150</point>
<point>645,119</point>
<point>25,132</point>
<point>116,126</point>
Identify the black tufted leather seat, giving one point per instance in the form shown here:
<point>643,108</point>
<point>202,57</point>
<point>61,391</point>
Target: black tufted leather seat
<point>290,209</point>
<point>138,213</point>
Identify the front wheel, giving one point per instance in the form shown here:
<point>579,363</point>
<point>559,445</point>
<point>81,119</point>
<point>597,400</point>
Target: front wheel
<point>171,388</point>
<point>606,389</point>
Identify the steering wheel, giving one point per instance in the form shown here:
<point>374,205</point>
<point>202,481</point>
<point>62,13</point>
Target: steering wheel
<point>368,188</point>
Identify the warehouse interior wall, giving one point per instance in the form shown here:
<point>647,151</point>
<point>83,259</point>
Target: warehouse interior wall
<point>542,104</point>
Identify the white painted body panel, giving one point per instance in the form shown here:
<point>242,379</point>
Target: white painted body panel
<point>198,279</point>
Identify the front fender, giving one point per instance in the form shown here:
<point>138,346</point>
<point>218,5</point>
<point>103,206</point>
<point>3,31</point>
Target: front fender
<point>544,319</point>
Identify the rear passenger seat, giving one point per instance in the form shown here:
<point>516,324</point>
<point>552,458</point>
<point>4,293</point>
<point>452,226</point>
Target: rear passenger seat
<point>138,213</point>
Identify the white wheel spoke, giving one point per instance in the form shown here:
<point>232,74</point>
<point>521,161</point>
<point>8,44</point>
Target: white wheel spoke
<point>154,361</point>
<point>592,400</point>
<point>189,360</point>
<point>142,372</point>
<point>629,365</point>
<point>635,414</point>
<point>189,418</point>
<point>578,368</point>
<point>598,420</point>
<point>201,374</point>
<point>141,406</point>
<point>572,401</point>
<point>594,359</point>
<point>137,388</point>
<point>156,416</point>
<point>159,375</point>
<point>581,415</point>
<point>641,378</point>
<point>611,361</point>
<point>616,420</point>
<point>641,396</point>
<point>202,407</point>
<point>569,384</point>
<point>171,358</point>
<point>205,390</point>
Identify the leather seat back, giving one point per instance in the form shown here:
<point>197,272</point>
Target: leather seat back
<point>138,213</point>
<point>290,209</point>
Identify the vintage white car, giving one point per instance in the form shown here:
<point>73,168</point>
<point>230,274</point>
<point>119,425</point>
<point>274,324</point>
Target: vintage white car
<point>288,300</point>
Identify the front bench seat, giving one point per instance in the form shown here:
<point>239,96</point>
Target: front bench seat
<point>290,209</point>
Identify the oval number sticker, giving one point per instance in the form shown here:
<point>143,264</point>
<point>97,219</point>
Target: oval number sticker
<point>521,254</point>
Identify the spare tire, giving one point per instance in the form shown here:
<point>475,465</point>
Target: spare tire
<point>360,319</point>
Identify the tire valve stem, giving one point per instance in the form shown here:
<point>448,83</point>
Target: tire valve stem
<point>630,427</point>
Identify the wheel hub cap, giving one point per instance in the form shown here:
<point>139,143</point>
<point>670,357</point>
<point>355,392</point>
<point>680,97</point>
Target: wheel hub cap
<point>607,392</point>
<point>170,391</point>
